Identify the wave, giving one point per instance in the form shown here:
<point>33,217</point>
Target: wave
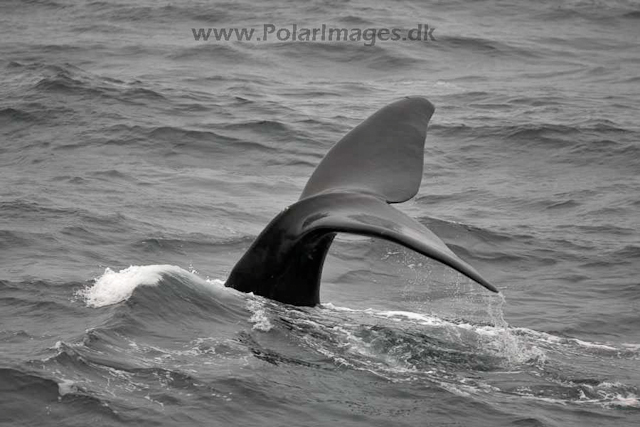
<point>606,13</point>
<point>12,115</point>
<point>378,57</point>
<point>409,346</point>
<point>24,209</point>
<point>522,132</point>
<point>68,79</point>
<point>515,348</point>
<point>220,51</point>
<point>169,292</point>
<point>599,142</point>
<point>160,333</point>
<point>483,46</point>
<point>36,397</point>
<point>114,287</point>
<point>177,141</point>
<point>260,126</point>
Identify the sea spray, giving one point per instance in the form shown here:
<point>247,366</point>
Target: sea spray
<point>459,303</point>
<point>511,347</point>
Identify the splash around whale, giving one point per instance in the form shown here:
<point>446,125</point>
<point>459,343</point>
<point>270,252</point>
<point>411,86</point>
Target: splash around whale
<point>379,162</point>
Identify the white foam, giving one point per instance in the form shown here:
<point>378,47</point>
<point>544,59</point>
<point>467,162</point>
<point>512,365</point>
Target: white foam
<point>610,398</point>
<point>593,345</point>
<point>331,306</point>
<point>497,338</point>
<point>630,401</point>
<point>66,387</point>
<point>259,317</point>
<point>113,287</point>
<point>216,282</point>
<point>406,314</point>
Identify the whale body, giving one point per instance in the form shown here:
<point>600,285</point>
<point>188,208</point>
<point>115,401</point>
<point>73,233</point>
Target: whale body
<point>379,162</point>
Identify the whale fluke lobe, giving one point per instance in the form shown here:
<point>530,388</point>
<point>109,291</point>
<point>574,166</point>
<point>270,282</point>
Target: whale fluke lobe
<point>379,162</point>
<point>382,155</point>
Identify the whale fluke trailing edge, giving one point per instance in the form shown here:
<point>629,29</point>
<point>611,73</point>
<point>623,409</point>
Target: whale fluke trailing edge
<point>379,162</point>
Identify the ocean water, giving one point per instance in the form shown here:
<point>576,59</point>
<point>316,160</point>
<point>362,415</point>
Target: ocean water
<point>137,164</point>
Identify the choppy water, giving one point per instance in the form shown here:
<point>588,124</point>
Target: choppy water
<point>137,164</point>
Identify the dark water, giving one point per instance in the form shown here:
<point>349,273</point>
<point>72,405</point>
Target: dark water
<point>137,164</point>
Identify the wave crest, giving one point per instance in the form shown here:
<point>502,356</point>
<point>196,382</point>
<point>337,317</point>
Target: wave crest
<point>114,287</point>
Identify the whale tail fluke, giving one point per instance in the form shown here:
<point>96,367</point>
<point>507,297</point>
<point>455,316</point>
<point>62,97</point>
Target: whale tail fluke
<point>378,162</point>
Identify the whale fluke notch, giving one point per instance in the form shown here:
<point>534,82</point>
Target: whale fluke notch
<point>378,162</point>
